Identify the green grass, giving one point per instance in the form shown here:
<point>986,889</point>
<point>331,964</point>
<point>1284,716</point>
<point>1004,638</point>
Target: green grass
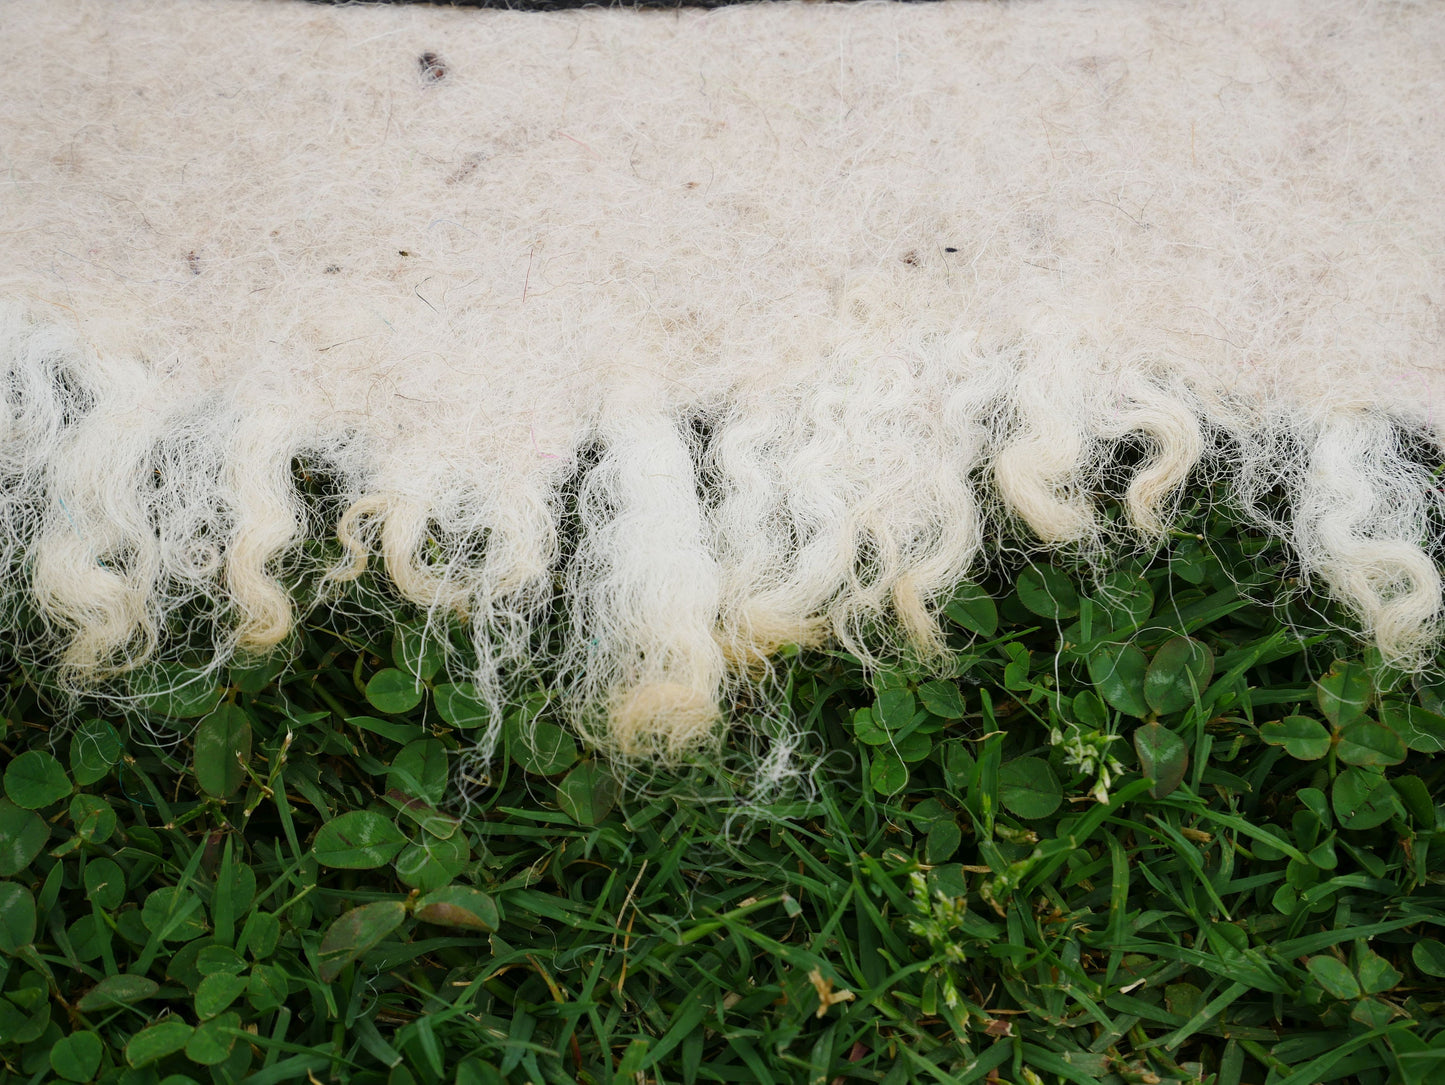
<point>1148,831</point>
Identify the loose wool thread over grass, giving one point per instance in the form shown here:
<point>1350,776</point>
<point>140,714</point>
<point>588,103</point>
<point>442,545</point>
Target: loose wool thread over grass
<point>714,331</point>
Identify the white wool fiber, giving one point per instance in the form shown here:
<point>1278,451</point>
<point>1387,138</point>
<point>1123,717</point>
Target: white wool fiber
<point>706,332</point>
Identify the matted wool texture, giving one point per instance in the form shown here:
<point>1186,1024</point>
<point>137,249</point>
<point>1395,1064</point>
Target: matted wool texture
<point>695,333</point>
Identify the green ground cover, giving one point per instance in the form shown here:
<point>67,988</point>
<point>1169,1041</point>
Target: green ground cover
<point>1151,829</point>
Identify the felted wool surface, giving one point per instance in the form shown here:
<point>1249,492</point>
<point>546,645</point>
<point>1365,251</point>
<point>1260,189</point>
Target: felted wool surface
<point>717,330</point>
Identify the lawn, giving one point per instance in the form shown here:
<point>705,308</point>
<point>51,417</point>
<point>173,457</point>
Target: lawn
<point>1160,824</point>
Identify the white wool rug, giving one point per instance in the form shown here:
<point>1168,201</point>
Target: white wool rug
<point>715,331</point>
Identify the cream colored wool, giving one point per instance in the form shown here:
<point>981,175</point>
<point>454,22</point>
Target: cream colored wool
<point>758,303</point>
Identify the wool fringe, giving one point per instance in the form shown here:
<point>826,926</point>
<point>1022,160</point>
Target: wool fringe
<point>678,551</point>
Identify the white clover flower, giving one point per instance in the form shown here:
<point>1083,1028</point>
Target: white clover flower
<point>1087,752</point>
